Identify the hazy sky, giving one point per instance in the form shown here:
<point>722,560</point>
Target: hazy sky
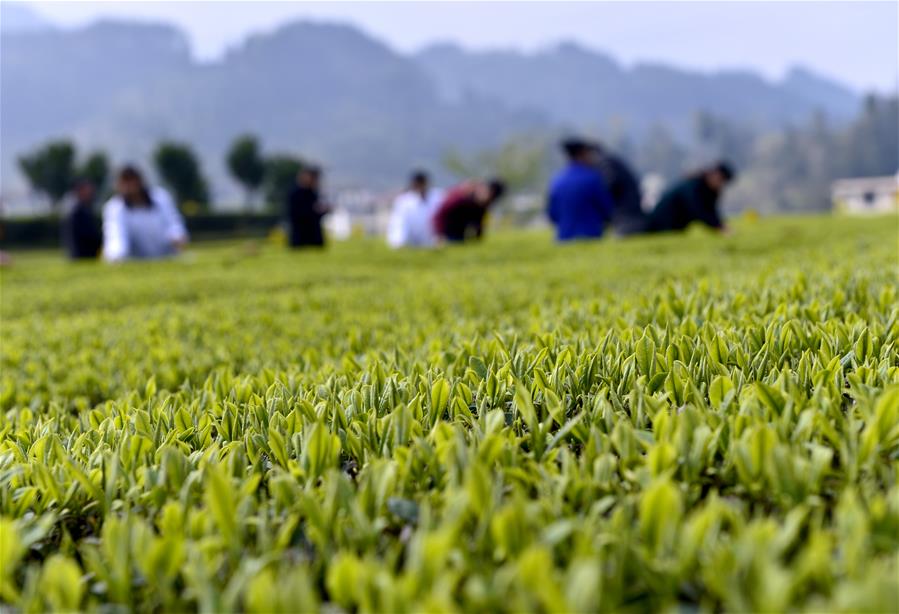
<point>857,42</point>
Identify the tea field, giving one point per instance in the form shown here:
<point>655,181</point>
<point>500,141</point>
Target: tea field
<point>681,422</point>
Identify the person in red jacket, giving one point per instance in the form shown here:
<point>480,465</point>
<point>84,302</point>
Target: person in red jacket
<point>461,214</point>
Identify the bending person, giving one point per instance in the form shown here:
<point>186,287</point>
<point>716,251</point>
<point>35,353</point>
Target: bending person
<point>461,214</point>
<point>627,211</point>
<point>141,222</point>
<point>695,199</point>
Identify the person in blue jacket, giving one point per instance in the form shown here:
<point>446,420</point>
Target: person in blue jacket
<point>579,201</point>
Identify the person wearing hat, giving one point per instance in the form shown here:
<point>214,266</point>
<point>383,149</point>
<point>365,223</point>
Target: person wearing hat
<point>305,210</point>
<point>81,227</point>
<point>695,199</point>
<point>579,201</point>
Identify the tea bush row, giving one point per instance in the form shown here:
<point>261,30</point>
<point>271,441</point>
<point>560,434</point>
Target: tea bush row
<point>630,425</point>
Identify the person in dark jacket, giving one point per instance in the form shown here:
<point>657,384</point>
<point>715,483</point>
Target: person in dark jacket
<point>579,201</point>
<point>694,199</point>
<point>81,227</point>
<point>461,213</point>
<point>305,210</point>
<point>627,211</point>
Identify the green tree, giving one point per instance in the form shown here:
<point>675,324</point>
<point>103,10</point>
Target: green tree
<point>246,165</point>
<point>50,169</point>
<point>180,171</point>
<point>280,176</point>
<point>869,146</point>
<point>96,170</point>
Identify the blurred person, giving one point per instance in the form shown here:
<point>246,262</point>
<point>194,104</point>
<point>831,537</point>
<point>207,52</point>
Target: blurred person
<point>81,228</point>
<point>627,201</point>
<point>579,201</point>
<point>141,222</point>
<point>461,212</point>
<point>694,199</point>
<point>410,222</point>
<point>305,210</point>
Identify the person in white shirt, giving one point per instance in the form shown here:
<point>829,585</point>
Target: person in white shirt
<point>141,222</point>
<point>411,220</point>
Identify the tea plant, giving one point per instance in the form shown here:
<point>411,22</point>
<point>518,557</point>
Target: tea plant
<point>634,425</point>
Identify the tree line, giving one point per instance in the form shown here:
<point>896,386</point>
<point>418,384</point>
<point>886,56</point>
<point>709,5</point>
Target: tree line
<point>790,169</point>
<point>786,170</point>
<point>53,168</point>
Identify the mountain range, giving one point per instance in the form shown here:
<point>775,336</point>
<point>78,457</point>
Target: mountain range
<point>333,93</point>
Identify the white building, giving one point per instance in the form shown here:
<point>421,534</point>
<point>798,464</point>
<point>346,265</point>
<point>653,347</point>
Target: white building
<point>866,195</point>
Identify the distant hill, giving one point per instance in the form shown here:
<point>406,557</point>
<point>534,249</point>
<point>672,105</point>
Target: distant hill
<point>827,94</point>
<point>575,85</point>
<point>58,82</point>
<point>17,17</point>
<point>344,98</point>
<point>321,90</point>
